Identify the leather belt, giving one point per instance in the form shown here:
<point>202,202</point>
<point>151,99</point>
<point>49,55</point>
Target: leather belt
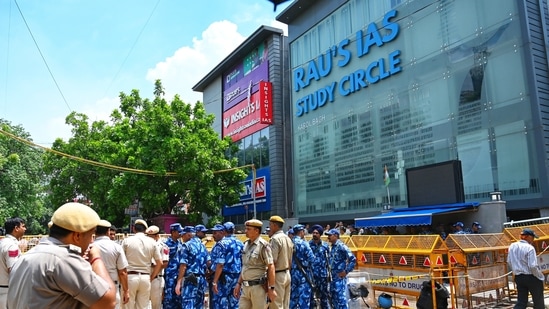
<point>4,286</point>
<point>159,276</point>
<point>253,282</point>
<point>281,270</point>
<point>137,273</point>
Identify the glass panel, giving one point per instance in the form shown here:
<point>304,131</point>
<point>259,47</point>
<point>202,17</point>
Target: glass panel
<point>461,89</point>
<point>264,147</point>
<point>509,138</point>
<point>248,149</point>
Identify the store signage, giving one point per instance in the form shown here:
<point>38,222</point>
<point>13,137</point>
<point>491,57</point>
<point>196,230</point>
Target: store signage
<point>266,98</point>
<point>262,200</point>
<point>340,55</point>
<point>248,116</point>
<point>243,79</point>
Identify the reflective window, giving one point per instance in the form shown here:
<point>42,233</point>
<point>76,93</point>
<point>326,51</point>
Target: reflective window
<point>461,94</point>
<point>254,149</point>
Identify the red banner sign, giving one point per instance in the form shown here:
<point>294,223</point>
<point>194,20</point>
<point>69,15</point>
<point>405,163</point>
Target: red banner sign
<point>266,97</point>
<point>249,115</point>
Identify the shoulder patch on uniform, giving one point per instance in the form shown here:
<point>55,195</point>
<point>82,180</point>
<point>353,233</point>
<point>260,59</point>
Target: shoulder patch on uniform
<point>166,250</point>
<point>74,249</point>
<point>13,253</point>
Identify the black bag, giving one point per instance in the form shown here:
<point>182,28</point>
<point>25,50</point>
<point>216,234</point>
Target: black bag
<point>192,279</point>
<point>356,291</point>
<point>425,300</point>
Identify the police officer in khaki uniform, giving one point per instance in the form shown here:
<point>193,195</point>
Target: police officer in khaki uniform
<point>63,270</point>
<point>9,253</point>
<point>157,284</point>
<point>140,251</point>
<point>115,261</point>
<point>282,247</point>
<point>257,266</point>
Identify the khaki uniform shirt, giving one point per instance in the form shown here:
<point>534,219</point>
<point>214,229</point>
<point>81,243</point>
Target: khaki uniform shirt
<point>283,248</point>
<point>112,254</point>
<point>140,250</point>
<point>51,275</point>
<point>255,258</point>
<point>9,253</point>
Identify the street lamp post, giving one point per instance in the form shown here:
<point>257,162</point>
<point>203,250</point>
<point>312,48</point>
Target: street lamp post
<point>253,189</point>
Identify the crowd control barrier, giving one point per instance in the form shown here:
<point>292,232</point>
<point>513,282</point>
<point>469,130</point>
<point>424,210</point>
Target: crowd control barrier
<point>400,264</point>
<point>478,264</point>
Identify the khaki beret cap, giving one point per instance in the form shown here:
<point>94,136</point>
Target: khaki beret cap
<point>104,223</point>
<point>276,219</point>
<point>75,217</point>
<point>152,230</point>
<point>142,222</point>
<point>254,222</point>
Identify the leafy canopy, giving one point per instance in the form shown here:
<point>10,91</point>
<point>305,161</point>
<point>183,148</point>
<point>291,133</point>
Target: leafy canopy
<point>22,180</point>
<point>147,135</point>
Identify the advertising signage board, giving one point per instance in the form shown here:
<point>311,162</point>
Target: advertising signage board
<point>262,195</point>
<point>250,115</point>
<point>243,79</point>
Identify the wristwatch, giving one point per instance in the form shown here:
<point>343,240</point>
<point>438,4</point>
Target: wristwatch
<point>272,287</point>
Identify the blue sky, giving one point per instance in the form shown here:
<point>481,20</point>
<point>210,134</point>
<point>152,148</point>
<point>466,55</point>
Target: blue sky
<point>96,49</point>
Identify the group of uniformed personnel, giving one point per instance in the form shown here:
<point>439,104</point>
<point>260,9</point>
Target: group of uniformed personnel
<point>279,273</point>
<point>68,270</point>
<point>296,273</point>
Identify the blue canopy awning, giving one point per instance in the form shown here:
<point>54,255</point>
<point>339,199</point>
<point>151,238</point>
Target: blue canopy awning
<point>412,216</point>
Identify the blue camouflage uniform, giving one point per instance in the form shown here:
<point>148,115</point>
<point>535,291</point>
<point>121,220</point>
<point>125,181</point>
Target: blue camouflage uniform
<point>301,291</point>
<point>320,271</point>
<point>340,259</point>
<point>227,251</point>
<point>172,300</point>
<point>195,256</point>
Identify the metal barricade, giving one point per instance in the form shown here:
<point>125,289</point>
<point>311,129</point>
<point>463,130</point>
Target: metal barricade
<point>399,264</point>
<point>478,264</point>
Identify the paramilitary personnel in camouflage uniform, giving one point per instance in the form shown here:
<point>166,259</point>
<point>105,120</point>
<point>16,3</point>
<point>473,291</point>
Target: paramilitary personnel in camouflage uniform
<point>342,261</point>
<point>320,265</point>
<point>191,280</point>
<point>172,300</point>
<point>303,258</point>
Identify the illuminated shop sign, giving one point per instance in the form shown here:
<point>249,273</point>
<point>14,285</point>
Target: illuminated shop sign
<point>251,114</point>
<point>341,55</point>
<point>262,195</point>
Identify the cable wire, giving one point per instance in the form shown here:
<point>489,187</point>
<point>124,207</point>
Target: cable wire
<point>109,166</point>
<point>42,55</point>
<point>132,48</point>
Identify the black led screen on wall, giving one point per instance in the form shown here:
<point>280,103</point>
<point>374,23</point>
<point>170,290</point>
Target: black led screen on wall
<point>440,183</point>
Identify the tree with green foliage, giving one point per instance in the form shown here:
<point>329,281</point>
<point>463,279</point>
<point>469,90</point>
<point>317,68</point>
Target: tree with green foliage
<point>174,140</point>
<point>22,180</point>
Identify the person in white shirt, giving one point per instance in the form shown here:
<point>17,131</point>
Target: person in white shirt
<point>528,277</point>
<point>115,261</point>
<point>9,253</point>
<point>157,284</point>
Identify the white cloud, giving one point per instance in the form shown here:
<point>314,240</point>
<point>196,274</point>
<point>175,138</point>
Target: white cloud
<point>181,71</point>
<point>102,109</point>
<point>279,25</point>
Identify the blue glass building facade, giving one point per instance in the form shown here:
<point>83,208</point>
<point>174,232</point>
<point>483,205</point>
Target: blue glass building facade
<point>409,83</point>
